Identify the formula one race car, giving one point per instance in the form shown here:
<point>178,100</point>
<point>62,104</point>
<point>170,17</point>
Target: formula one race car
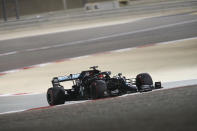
<point>94,84</point>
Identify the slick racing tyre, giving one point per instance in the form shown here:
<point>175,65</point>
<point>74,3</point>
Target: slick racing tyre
<point>56,96</point>
<point>97,89</point>
<point>144,82</point>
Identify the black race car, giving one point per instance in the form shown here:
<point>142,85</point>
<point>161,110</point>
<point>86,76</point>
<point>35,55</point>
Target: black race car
<point>94,84</point>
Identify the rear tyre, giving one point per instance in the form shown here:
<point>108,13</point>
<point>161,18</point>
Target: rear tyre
<point>98,89</point>
<point>144,82</point>
<point>55,96</point>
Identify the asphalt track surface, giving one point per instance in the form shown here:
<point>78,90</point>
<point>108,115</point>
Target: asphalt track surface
<point>21,52</point>
<point>22,102</point>
<point>163,110</point>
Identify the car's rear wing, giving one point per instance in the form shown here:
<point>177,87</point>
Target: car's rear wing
<point>68,78</point>
<point>57,80</point>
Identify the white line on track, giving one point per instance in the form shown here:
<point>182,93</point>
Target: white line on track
<point>12,71</point>
<point>44,64</point>
<point>123,50</point>
<point>8,53</point>
<point>100,38</point>
<point>19,94</point>
<point>80,57</point>
<point>175,41</point>
<point>9,112</point>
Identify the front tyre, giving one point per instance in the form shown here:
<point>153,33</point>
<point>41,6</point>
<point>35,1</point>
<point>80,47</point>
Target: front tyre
<point>55,96</point>
<point>144,82</point>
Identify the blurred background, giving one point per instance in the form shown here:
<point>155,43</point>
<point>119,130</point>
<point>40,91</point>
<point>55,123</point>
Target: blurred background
<point>12,8</point>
